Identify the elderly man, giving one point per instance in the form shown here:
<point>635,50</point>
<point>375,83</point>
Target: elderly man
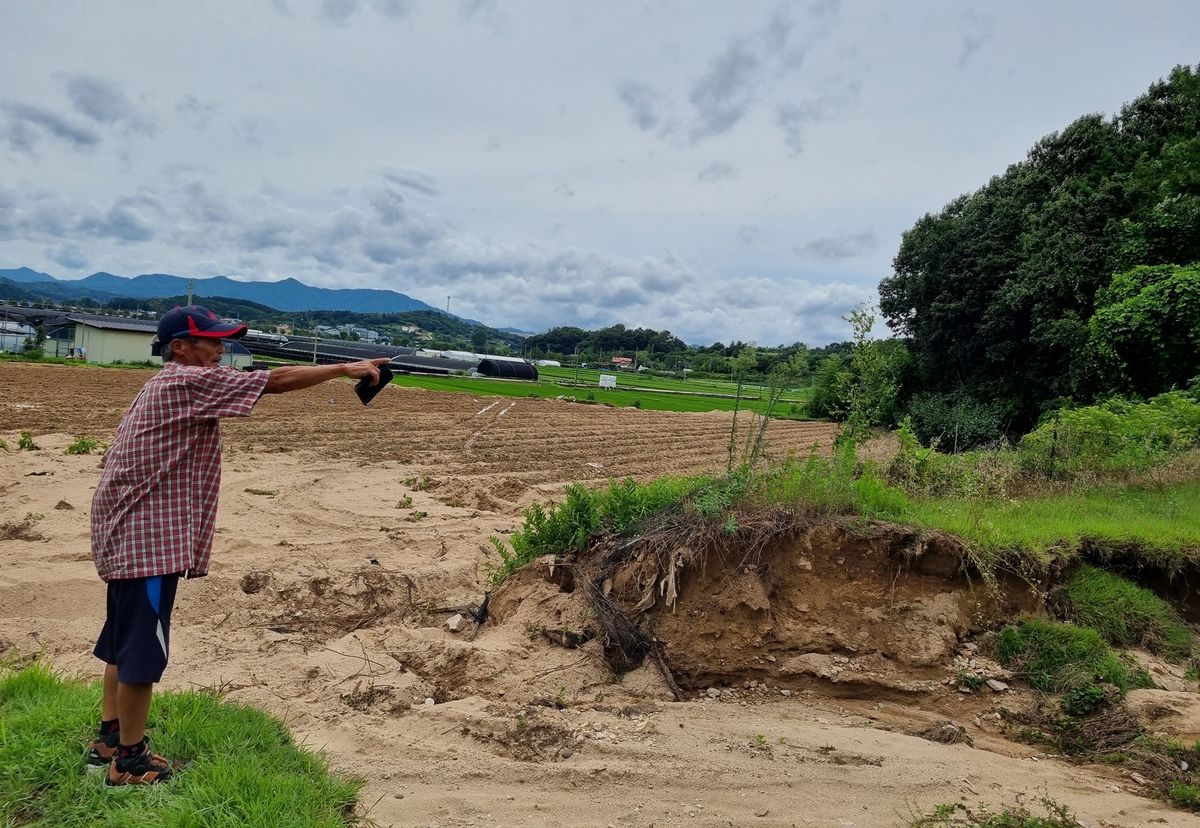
<point>153,514</point>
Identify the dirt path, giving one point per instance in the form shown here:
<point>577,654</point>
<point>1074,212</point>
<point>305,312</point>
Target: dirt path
<point>320,608</point>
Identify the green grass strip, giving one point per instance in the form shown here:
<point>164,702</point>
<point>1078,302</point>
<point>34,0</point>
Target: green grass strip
<point>1125,614</point>
<point>1163,524</point>
<point>245,771</point>
<point>1058,658</point>
<point>648,400</point>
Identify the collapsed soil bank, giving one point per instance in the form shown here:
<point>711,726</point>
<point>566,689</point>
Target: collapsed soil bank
<point>870,612</point>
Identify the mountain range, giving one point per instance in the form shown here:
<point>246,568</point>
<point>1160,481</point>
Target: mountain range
<point>286,295</point>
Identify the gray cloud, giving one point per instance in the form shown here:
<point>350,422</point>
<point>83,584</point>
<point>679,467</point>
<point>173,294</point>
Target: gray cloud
<point>736,78</point>
<point>27,123</point>
<point>486,11</point>
<point>747,233</point>
<point>396,9</point>
<point>843,246</point>
<point>389,204</point>
<point>195,112</point>
<point>725,92</point>
<point>643,103</point>
<point>795,119</point>
<point>389,244</point>
<point>68,256</point>
<point>979,31</point>
<point>717,171</point>
<point>122,223</point>
<point>338,12</point>
<point>412,179</point>
<point>105,102</point>
<point>564,190</point>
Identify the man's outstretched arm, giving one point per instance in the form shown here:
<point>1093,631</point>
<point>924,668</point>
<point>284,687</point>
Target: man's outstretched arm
<point>295,377</point>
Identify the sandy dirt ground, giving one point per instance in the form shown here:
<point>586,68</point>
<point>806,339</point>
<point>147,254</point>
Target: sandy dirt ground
<point>344,530</point>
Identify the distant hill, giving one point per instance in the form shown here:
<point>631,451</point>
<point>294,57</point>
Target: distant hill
<point>287,295</point>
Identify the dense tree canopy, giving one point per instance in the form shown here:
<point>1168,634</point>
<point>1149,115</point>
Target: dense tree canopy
<point>997,292</point>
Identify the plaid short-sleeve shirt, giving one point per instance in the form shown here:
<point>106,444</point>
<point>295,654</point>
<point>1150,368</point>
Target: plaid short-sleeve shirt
<point>156,505</point>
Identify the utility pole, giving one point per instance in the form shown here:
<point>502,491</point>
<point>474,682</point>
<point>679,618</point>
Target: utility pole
<point>577,365</point>
<point>191,286</point>
<point>314,333</point>
<point>447,305</point>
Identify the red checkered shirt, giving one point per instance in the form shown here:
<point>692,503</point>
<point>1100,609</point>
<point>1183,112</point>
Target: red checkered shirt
<point>156,505</point>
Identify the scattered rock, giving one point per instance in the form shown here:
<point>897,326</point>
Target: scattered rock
<point>1138,778</point>
<point>430,702</point>
<point>762,812</point>
<point>63,506</point>
<point>567,752</point>
<point>997,686</point>
<point>712,692</point>
<point>455,622</point>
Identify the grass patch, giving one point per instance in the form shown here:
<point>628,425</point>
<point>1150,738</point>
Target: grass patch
<point>649,400</point>
<point>562,527</point>
<point>1054,815</point>
<point>245,771</point>
<point>83,445</point>
<point>1163,524</point>
<point>1060,658</point>
<point>1124,614</point>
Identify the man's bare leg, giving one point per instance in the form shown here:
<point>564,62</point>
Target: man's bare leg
<point>108,710</point>
<point>133,706</point>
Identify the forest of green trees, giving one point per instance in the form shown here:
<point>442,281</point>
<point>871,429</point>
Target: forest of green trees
<point>1070,278</point>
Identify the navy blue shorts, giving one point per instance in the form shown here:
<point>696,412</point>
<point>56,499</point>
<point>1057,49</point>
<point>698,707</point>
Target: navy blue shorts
<point>137,632</point>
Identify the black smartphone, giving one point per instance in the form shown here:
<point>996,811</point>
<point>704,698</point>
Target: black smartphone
<point>366,392</point>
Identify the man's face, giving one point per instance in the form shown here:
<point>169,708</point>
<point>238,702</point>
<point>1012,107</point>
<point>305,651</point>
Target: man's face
<point>200,351</point>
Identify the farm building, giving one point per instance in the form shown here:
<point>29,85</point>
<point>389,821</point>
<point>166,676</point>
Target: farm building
<point>512,369</point>
<point>105,339</point>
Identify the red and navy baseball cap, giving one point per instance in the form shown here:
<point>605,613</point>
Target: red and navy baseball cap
<point>194,320</point>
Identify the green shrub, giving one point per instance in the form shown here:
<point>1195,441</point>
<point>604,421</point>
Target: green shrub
<point>82,445</point>
<point>1124,614</point>
<point>1082,700</point>
<point>969,474</point>
<point>1185,795</point>
<point>826,396</point>
<point>1058,658</point>
<point>25,442</point>
<point>1116,437</point>
<point>954,422</point>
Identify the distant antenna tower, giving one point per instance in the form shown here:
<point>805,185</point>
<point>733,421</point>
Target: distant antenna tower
<point>191,285</point>
<point>447,305</point>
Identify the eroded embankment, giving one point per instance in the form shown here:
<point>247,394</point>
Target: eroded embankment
<point>863,611</point>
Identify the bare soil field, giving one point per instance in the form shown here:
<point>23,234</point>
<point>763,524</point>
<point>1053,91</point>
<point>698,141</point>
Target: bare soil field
<point>348,537</point>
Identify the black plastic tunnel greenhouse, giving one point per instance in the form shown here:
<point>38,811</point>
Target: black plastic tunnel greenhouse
<point>508,368</point>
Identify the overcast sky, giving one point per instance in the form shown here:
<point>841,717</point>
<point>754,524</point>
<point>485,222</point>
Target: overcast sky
<point>726,170</point>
